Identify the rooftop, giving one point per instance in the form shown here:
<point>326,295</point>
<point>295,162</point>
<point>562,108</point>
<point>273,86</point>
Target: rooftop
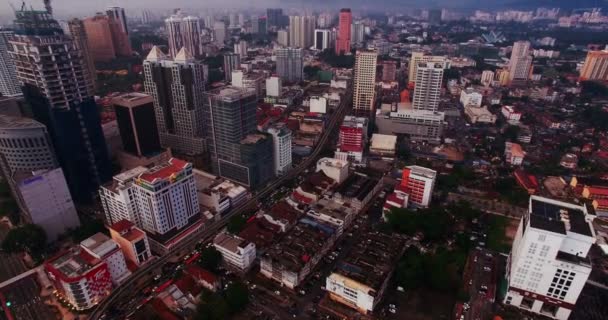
<point>165,171</point>
<point>422,171</point>
<point>383,141</point>
<point>15,123</point>
<point>99,245</point>
<point>371,260</point>
<point>331,162</point>
<point>127,230</point>
<point>559,217</point>
<point>132,99</point>
<point>230,242</point>
<point>74,262</point>
<point>357,186</point>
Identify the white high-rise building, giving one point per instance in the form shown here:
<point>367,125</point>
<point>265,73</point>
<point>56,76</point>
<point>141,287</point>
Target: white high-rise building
<point>357,33</point>
<point>237,253</point>
<point>9,86</point>
<point>301,31</point>
<point>470,98</point>
<point>281,141</point>
<point>240,48</point>
<point>233,20</point>
<point>274,87</point>
<point>184,32</point>
<point>283,38</point>
<point>419,183</point>
<point>118,198</point>
<point>290,65</point>
<point>365,81</point>
<point>487,77</point>
<point>420,57</point>
<point>520,63</point>
<point>428,86</point>
<point>548,265</point>
<point>232,62</point>
<point>322,39</point>
<point>173,25</point>
<point>219,33</point>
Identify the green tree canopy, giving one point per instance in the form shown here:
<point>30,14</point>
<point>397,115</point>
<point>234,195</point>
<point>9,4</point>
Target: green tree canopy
<point>237,296</point>
<point>210,259</point>
<point>29,237</point>
<point>236,224</point>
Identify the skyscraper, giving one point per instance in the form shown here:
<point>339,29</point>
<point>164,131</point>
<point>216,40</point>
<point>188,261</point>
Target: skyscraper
<point>219,33</point>
<point>281,141</point>
<point>232,61</point>
<point>549,263</point>
<point>67,110</point>
<point>177,86</point>
<point>389,69</point>
<point>81,41</point>
<point>290,64</point>
<point>118,14</point>
<point>357,33</point>
<point>417,58</point>
<point>365,81</point>
<point>98,32</point>
<point>283,37</point>
<point>301,31</point>
<point>595,66</point>
<point>344,33</point>
<point>236,151</point>
<point>322,39</point>
<point>184,32</point>
<point>274,17</point>
<point>428,86</point>
<point>137,124</point>
<point>520,62</point>
<point>173,25</point>
<point>240,49</point>
<point>262,26</point>
<point>9,86</point>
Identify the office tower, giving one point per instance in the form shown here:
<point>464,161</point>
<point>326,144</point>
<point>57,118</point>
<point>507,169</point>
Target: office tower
<point>344,32</point>
<point>357,33</point>
<point>173,25</point>
<point>389,71</point>
<point>240,49</point>
<point>549,264</point>
<point>177,86</point>
<point>68,110</point>
<point>219,33</point>
<point>487,78</point>
<point>352,139</point>
<point>120,36</point>
<point>236,151</point>
<point>81,41</point>
<point>283,38</point>
<point>419,183</point>
<point>365,82</point>
<point>99,34</point>
<point>290,64</point>
<point>253,80</point>
<point>232,20</point>
<point>281,145</point>
<point>9,87</point>
<point>322,39</point>
<point>520,63</point>
<point>232,61</point>
<point>428,86</point>
<point>325,20</point>
<point>301,31</point>
<point>146,17</point>
<point>241,20</point>
<point>594,68</point>
<point>118,14</point>
<point>420,57</point>
<point>209,21</point>
<point>435,16</point>
<point>274,17</point>
<point>137,124</point>
<point>262,23</point>
<point>191,35</point>
<point>274,87</point>
<point>132,240</point>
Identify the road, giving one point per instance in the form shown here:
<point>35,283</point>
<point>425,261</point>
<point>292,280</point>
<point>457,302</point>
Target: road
<point>126,287</point>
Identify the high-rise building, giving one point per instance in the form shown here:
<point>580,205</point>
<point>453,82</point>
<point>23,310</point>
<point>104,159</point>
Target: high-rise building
<point>434,16</point>
<point>184,32</point>
<point>132,241</point>
<point>419,183</point>
<point>595,66</point>
<point>301,31</point>
<point>9,86</point>
<point>219,33</point>
<point>290,64</point>
<point>281,142</point>
<point>261,26</point>
<point>274,17</point>
<point>389,70</point>
<point>322,39</point>
<point>240,48</point>
<point>549,265</point>
<point>343,39</point>
<point>118,14</point>
<point>352,139</point>
<point>325,20</point>
<point>428,86</point>
<point>81,41</point>
<point>122,45</point>
<point>137,124</point>
<point>98,32</point>
<point>420,57</point>
<point>274,87</point>
<point>283,37</point>
<point>365,81</point>
<point>520,63</point>
<point>177,86</point>
<point>31,170</point>
<point>68,110</point>
<point>101,247</point>
<point>232,61</point>
<point>236,151</point>
<point>146,16</point>
<point>357,33</point>
<point>232,20</point>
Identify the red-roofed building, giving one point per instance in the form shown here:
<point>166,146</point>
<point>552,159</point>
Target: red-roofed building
<point>132,241</point>
<point>203,277</point>
<point>526,181</point>
<point>260,232</point>
<point>352,139</point>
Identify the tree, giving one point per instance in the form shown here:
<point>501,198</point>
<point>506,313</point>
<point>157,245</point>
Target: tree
<point>88,227</point>
<point>311,71</point>
<point>210,259</point>
<point>236,224</point>
<point>29,237</point>
<point>237,296</point>
<point>10,209</point>
<point>212,307</point>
